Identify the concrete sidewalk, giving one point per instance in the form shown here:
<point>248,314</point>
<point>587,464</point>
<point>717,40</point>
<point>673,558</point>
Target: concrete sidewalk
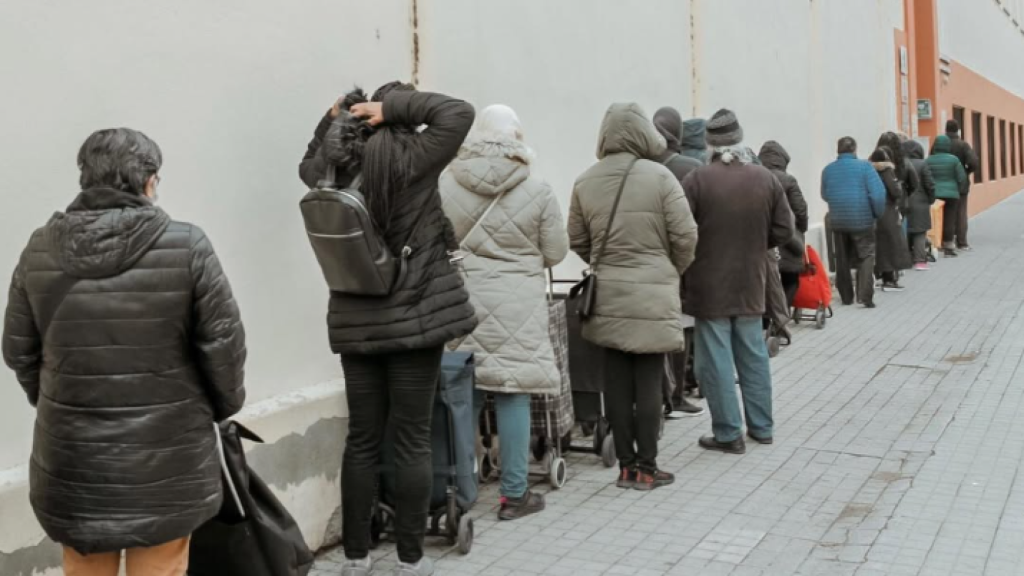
<point>897,452</point>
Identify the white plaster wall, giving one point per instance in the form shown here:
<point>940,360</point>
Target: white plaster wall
<point>231,90</point>
<point>979,35</point>
<point>559,64</point>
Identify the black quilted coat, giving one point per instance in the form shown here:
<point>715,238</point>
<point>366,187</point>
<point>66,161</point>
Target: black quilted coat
<point>432,307</point>
<point>143,353</point>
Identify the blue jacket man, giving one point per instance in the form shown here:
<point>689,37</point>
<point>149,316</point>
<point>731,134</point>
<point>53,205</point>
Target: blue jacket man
<point>854,192</point>
<point>856,199</point>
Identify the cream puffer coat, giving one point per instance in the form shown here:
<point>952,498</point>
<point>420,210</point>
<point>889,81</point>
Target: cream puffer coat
<point>507,258</point>
<point>652,243</point>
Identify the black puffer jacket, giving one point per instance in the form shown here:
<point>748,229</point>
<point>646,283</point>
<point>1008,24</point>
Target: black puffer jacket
<point>432,307</point>
<point>919,211</point>
<point>967,156</point>
<point>775,158</point>
<point>143,353</point>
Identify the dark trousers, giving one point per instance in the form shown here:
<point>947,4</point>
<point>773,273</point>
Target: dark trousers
<point>680,373</point>
<point>790,285</point>
<point>950,223</point>
<point>855,250</point>
<point>633,398</point>
<point>919,246</point>
<point>388,390</point>
<point>961,223</point>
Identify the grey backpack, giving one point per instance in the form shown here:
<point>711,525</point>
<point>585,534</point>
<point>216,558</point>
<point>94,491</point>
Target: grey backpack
<point>353,256</point>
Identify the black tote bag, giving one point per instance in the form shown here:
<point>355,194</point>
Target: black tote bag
<point>254,535</point>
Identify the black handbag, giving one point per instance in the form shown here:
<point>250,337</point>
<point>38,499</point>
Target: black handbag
<point>253,535</point>
<point>583,295</point>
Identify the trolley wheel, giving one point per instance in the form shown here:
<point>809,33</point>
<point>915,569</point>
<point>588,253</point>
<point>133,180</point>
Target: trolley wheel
<point>464,539</point>
<point>774,346</point>
<point>608,457</point>
<point>451,520</point>
<point>559,473</point>
<point>797,315</point>
<point>820,318</point>
<point>494,454</point>
<point>600,433</point>
<point>486,468</point>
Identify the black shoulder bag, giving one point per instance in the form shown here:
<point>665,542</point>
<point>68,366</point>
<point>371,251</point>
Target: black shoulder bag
<point>583,295</point>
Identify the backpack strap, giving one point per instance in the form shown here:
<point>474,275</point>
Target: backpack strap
<point>480,221</point>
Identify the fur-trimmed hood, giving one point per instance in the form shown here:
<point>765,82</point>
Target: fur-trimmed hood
<point>883,166</point>
<point>491,166</point>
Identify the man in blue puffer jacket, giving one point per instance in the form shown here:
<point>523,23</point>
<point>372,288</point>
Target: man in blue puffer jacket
<point>856,198</point>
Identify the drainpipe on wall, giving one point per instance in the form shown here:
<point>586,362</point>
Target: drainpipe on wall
<point>694,60</point>
<point>415,43</point>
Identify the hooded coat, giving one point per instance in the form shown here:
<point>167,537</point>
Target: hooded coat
<point>144,352</point>
<point>669,124</point>
<point>950,177</point>
<point>967,156</point>
<point>694,142</point>
<point>507,255</point>
<point>651,244</point>
<point>432,306</point>
<point>892,251</point>
<point>775,158</point>
<point>919,210</point>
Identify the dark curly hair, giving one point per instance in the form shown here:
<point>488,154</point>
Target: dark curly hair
<point>378,153</point>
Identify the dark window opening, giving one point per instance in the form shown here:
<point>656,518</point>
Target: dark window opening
<point>979,174</point>
<point>991,152</point>
<point>1013,149</point>
<point>958,115</point>
<point>1003,164</point>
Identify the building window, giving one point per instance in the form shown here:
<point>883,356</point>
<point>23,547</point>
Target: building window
<point>990,126</point>
<point>1013,149</point>
<point>979,174</point>
<point>1003,165</point>
<point>1020,146</point>
<point>958,115</point>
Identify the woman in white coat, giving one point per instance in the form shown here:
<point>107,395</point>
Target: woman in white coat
<point>509,225</point>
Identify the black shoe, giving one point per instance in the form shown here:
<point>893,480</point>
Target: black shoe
<point>964,248</point>
<point>765,441</point>
<point>737,446</point>
<point>949,253</point>
<point>627,478</point>
<point>892,287</point>
<point>869,304</point>
<point>514,508</point>
<point>647,481</point>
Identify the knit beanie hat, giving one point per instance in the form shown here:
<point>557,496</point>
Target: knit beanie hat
<point>724,129</point>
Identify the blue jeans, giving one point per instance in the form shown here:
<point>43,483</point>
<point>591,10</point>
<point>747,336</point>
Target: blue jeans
<point>513,415</point>
<point>721,344</point>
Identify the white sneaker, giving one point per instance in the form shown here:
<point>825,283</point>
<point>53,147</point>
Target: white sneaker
<point>425,567</point>
<point>361,567</point>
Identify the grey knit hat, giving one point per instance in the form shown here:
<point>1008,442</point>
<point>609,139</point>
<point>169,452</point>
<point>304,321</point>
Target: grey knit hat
<point>724,129</point>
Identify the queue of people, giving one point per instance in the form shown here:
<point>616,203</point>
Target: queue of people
<point>880,211</point>
<point>684,226</point>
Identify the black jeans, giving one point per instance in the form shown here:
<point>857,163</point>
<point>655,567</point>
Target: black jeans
<point>961,222</point>
<point>388,390</point>
<point>633,399</point>
<point>919,247</point>
<point>950,223</point>
<point>790,284</point>
<point>855,250</point>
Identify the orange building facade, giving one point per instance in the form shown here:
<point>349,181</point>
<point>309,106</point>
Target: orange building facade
<point>990,114</point>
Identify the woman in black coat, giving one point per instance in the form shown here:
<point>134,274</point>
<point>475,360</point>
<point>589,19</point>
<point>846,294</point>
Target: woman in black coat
<point>891,250</point>
<point>122,329</point>
<point>919,211</point>
<point>791,262</point>
<point>391,346</point>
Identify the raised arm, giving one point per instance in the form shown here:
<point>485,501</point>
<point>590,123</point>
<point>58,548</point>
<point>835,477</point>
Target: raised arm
<point>447,121</point>
<point>22,343</point>
<point>218,337</point>
<point>312,167</point>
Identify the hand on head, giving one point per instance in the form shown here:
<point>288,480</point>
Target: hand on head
<point>372,112</point>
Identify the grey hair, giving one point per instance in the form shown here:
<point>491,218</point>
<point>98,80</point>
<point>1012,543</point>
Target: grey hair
<point>119,158</point>
<point>847,145</point>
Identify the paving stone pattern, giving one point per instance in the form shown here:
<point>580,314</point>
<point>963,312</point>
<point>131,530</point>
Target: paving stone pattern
<point>898,445</point>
